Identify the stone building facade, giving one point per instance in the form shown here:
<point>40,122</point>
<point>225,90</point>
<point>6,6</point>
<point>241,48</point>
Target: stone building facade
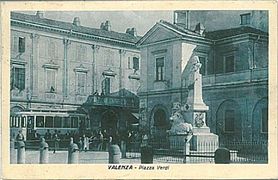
<point>234,68</point>
<point>57,65</point>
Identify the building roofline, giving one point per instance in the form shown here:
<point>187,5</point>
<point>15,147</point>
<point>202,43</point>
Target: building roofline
<point>71,30</point>
<point>210,37</point>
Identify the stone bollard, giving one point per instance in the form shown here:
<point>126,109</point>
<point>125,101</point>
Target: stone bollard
<point>43,152</point>
<point>222,156</point>
<point>146,155</point>
<point>114,154</point>
<point>20,152</point>
<point>123,149</point>
<point>186,152</point>
<point>12,152</point>
<point>73,154</point>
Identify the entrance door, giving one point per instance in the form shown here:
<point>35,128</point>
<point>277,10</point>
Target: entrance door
<point>109,121</point>
<point>161,125</point>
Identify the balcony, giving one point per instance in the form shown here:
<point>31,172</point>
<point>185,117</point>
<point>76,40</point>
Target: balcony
<point>114,101</point>
<point>252,75</point>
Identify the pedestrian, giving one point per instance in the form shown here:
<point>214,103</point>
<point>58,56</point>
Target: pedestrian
<point>47,135</point>
<point>100,139</point>
<point>20,136</point>
<point>85,143</point>
<point>80,144</point>
<point>56,142</point>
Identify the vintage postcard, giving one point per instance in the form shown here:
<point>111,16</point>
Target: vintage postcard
<point>144,90</point>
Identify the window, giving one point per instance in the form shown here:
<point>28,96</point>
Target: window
<point>18,78</point>
<point>106,86</point>
<point>229,64</point>
<point>66,122</point>
<point>264,117</point>
<point>49,121</point>
<point>203,69</point>
<point>74,122</point>
<point>39,121</point>
<point>18,44</point>
<point>245,19</point>
<point>57,122</point>
<point>23,122</point>
<point>51,80</point>
<point>229,120</point>
<point>81,83</point>
<point>135,63</point>
<point>17,121</point>
<point>21,44</point>
<point>160,69</point>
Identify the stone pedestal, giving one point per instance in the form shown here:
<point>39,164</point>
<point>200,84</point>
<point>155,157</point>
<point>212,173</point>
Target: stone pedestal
<point>204,142</point>
<point>177,141</point>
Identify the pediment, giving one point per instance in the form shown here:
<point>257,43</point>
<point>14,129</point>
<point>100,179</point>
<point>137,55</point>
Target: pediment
<point>158,34</point>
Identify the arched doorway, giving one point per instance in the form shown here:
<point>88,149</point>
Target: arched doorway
<point>160,121</point>
<point>160,125</point>
<point>109,121</point>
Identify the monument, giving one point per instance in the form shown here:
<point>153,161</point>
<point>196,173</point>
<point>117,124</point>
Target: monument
<point>180,132</point>
<point>194,111</point>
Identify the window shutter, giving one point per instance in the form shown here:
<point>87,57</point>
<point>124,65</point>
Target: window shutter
<point>136,63</point>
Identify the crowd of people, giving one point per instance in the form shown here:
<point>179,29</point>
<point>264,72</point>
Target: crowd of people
<point>95,140</point>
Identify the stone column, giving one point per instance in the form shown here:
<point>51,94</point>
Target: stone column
<point>66,43</point>
<point>95,49</point>
<point>121,69</point>
<point>34,65</point>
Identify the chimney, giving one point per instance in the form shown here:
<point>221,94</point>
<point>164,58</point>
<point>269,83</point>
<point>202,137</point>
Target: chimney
<point>102,26</point>
<point>76,21</point>
<point>39,14</point>
<point>200,28</point>
<point>106,26</point>
<point>131,31</point>
<point>181,18</point>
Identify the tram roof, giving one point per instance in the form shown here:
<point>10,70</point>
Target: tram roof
<point>50,112</point>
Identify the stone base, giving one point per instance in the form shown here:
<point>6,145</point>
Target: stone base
<point>205,130</point>
<point>204,142</point>
<point>177,142</point>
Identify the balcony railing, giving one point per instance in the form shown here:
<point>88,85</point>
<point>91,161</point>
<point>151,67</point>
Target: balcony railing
<point>238,77</point>
<point>117,101</point>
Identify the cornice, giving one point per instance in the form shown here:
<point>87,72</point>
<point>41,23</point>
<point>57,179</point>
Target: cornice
<point>71,33</point>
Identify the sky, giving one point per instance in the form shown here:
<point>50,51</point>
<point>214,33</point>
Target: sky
<point>120,20</point>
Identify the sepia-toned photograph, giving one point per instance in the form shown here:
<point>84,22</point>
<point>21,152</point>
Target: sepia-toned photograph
<point>130,90</point>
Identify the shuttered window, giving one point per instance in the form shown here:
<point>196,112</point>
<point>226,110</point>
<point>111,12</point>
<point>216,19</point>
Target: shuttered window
<point>160,69</point>
<point>18,78</point>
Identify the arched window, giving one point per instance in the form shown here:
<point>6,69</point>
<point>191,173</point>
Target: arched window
<point>228,120</point>
<point>260,120</point>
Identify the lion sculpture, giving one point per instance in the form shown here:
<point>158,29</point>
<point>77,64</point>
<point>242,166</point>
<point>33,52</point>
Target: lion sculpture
<point>179,127</point>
